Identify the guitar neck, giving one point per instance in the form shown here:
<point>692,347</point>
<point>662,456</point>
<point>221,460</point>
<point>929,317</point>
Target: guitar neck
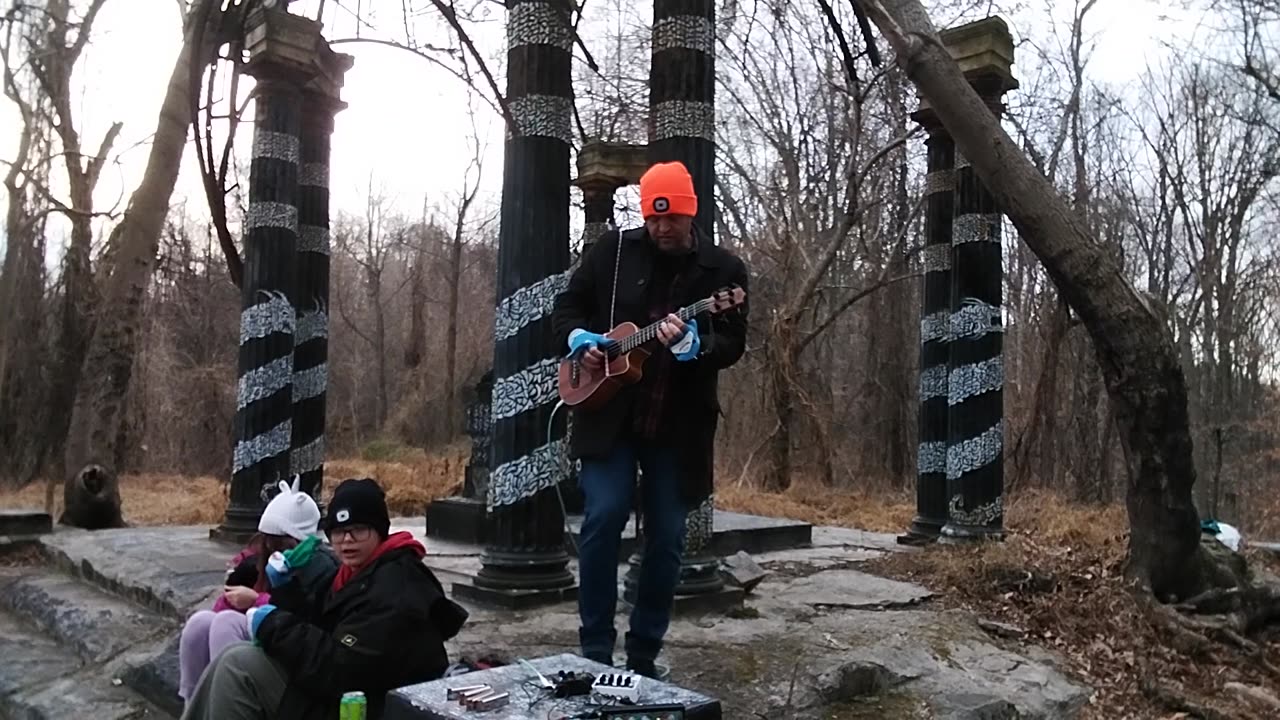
<point>650,331</point>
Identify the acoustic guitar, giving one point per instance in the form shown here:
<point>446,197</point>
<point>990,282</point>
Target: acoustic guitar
<point>582,387</point>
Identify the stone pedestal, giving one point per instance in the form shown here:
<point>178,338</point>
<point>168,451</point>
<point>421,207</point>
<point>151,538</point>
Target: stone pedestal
<point>429,701</point>
<point>18,523</point>
<point>975,387</point>
<point>466,518</point>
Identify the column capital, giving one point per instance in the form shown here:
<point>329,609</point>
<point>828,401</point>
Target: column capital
<point>330,75</point>
<point>984,51</point>
<point>606,166</point>
<point>281,46</point>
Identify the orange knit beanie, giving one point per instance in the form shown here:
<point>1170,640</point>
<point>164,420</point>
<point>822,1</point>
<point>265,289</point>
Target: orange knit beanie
<point>667,189</point>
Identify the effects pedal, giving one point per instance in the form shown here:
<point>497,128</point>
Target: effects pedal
<point>625,686</point>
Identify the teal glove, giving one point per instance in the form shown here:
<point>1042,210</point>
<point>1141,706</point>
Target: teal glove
<point>584,339</point>
<point>280,566</point>
<point>255,616</point>
<point>687,347</point>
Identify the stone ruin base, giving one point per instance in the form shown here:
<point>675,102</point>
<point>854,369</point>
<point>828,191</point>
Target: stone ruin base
<point>89,624</point>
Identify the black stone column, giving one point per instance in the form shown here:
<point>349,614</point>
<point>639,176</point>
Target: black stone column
<point>975,386</point>
<point>465,518</point>
<point>597,200</point>
<point>975,381</point>
<point>311,340</point>
<point>935,314</point>
<point>264,398</point>
<point>525,562</point>
<point>682,91</point>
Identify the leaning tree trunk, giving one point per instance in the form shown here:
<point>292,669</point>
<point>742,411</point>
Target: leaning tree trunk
<point>91,493</point>
<point>1135,351</point>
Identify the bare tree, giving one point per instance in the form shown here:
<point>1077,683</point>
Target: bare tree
<point>53,39</point>
<point>1137,354</point>
<point>822,228</point>
<point>94,450</point>
<point>24,412</point>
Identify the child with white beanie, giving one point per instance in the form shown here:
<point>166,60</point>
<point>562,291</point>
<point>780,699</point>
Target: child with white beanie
<point>291,517</point>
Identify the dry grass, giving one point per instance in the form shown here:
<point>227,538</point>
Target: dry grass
<point>1059,576</point>
<point>411,481</point>
<point>820,505</point>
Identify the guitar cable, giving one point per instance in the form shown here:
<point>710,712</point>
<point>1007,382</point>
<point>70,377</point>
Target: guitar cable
<point>564,509</point>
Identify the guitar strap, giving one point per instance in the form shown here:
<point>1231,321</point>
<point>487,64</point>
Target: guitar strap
<point>613,298</point>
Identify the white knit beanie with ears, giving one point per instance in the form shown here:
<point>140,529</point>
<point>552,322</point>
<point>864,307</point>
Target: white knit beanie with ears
<point>292,513</point>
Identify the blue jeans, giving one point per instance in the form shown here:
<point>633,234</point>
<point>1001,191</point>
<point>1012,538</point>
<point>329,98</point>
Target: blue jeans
<point>608,487</point>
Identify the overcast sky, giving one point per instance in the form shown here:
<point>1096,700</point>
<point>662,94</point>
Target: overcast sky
<point>407,122</point>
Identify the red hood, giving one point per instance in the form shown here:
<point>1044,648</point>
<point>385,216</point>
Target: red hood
<point>394,541</point>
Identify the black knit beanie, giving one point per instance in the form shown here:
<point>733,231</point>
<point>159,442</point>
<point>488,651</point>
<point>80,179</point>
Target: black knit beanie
<point>359,502</point>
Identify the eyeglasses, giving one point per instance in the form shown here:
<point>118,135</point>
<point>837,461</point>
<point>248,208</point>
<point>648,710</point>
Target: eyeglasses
<point>351,533</point>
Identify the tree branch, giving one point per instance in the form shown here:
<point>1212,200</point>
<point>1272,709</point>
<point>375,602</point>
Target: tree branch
<point>452,18</point>
<point>96,162</point>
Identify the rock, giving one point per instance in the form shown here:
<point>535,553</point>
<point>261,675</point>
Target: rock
<point>1003,630</point>
<point>853,589</point>
<point>958,678</point>
<point>741,571</point>
<point>973,706</point>
<point>856,678</point>
<point>1254,695</point>
<point>156,678</point>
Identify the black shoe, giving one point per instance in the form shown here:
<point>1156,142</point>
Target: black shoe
<point>642,667</point>
<point>602,659</point>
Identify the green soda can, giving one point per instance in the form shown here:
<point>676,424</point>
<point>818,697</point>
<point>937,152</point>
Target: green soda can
<point>354,706</point>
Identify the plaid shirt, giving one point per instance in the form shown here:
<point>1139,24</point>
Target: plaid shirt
<point>665,289</point>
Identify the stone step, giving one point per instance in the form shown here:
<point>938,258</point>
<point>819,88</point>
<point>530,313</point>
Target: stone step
<point>155,677</point>
<point>171,570</point>
<point>93,624</point>
<point>42,680</point>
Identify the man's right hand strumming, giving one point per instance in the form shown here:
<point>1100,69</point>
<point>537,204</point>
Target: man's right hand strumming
<point>593,358</point>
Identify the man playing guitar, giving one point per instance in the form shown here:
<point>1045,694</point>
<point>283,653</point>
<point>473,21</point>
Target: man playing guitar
<point>666,422</point>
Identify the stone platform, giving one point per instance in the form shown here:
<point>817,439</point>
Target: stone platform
<point>429,701</point>
<point>734,532</point>
<point>21,523</point>
<point>89,624</point>
<point>458,519</point>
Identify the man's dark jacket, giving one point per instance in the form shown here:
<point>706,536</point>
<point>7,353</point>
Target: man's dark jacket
<point>691,384</point>
<point>383,630</point>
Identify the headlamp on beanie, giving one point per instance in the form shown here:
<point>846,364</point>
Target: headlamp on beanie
<point>359,502</point>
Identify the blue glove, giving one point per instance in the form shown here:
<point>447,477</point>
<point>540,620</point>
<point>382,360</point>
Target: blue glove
<point>581,339</point>
<point>256,615</point>
<point>278,569</point>
<point>686,348</point>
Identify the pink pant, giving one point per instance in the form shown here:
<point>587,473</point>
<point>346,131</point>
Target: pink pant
<point>204,637</point>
